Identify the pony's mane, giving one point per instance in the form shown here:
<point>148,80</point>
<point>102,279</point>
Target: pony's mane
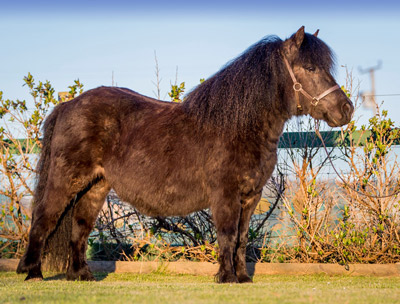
<point>236,98</point>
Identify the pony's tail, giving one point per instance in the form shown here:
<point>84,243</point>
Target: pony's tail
<point>57,249</point>
<point>43,166</point>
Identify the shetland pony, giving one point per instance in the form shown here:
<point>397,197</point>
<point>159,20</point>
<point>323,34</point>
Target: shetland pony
<point>215,150</point>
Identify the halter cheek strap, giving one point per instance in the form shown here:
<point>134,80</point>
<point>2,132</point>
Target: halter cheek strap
<point>298,88</point>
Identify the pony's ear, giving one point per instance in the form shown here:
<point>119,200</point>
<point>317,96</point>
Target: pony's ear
<point>316,33</point>
<point>293,44</point>
<point>299,37</point>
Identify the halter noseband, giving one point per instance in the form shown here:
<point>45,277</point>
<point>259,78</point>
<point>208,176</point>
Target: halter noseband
<point>297,87</point>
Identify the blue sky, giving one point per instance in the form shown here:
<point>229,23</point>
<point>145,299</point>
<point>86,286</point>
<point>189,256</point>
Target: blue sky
<point>63,41</point>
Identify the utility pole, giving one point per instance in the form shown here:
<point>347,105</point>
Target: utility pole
<point>368,98</point>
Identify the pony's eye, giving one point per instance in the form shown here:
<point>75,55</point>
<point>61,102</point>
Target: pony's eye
<point>310,68</point>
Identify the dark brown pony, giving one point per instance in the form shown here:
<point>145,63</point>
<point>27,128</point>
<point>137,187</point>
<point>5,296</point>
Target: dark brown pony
<point>215,150</point>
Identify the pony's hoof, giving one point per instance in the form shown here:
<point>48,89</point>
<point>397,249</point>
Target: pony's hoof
<point>34,276</point>
<point>245,279</point>
<point>33,279</point>
<point>34,272</point>
<point>226,278</point>
<point>80,276</point>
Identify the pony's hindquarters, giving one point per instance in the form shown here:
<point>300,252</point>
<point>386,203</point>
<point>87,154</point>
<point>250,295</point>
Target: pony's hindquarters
<point>69,177</point>
<point>44,219</point>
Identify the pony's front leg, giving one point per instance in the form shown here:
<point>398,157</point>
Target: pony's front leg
<point>248,206</point>
<point>226,216</point>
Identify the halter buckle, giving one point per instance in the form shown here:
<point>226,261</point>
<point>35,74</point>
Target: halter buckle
<point>297,86</point>
<point>315,101</point>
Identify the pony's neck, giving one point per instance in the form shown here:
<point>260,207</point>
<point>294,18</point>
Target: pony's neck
<point>272,130</point>
<point>246,98</point>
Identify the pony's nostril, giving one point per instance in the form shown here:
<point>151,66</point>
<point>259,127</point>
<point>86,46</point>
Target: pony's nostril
<point>347,109</point>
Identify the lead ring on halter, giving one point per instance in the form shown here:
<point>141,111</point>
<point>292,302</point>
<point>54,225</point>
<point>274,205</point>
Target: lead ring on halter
<point>299,86</point>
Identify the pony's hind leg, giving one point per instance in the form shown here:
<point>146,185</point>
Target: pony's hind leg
<point>84,217</point>
<point>248,207</point>
<point>45,216</point>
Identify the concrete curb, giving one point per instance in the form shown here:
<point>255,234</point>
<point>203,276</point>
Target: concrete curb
<point>205,268</point>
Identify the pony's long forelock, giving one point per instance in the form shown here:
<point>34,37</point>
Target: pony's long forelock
<point>314,51</point>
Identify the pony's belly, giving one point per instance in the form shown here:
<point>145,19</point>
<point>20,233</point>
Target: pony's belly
<point>160,200</point>
<point>155,193</point>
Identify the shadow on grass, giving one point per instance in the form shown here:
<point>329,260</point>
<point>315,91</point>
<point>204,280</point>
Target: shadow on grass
<point>55,277</point>
<point>99,276</point>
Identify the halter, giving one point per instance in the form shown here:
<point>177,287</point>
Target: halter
<point>297,87</point>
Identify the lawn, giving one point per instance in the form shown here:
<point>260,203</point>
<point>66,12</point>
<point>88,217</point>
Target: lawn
<point>166,288</point>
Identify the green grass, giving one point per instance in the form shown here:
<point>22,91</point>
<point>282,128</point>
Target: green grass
<point>167,288</point>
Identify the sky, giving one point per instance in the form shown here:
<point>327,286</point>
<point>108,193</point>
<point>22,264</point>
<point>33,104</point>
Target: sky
<point>93,40</point>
